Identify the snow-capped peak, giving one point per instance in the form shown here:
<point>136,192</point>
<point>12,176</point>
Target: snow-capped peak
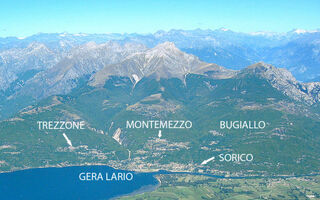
<point>263,33</point>
<point>22,37</point>
<point>302,31</point>
<point>64,34</point>
<point>224,29</point>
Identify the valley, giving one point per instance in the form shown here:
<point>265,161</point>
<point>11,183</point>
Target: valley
<point>144,109</point>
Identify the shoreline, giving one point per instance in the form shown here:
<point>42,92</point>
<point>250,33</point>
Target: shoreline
<point>143,189</point>
<point>158,172</point>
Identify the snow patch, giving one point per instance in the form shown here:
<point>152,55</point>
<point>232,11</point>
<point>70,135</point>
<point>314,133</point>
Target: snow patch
<point>136,78</point>
<point>302,31</point>
<point>116,136</point>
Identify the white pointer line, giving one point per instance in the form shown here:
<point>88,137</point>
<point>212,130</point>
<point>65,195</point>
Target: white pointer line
<point>206,161</point>
<point>67,139</point>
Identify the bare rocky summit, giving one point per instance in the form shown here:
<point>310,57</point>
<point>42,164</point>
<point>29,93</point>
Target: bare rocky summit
<point>284,81</point>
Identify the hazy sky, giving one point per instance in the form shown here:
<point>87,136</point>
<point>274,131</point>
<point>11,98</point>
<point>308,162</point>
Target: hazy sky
<point>27,17</point>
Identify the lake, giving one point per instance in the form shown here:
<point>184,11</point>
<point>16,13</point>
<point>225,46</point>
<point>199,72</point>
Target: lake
<point>81,182</point>
<point>86,182</point>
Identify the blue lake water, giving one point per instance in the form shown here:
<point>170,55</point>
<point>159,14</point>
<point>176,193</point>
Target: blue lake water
<point>65,183</point>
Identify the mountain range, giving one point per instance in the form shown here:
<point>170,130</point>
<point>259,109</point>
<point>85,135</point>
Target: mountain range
<point>109,83</point>
<point>41,65</point>
<point>297,50</point>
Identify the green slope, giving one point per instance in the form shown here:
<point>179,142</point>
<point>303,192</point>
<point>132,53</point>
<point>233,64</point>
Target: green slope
<point>290,143</point>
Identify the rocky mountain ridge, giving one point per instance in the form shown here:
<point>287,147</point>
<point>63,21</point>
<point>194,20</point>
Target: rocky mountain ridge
<point>283,80</point>
<point>94,63</point>
<point>36,56</point>
<point>163,61</point>
<point>296,50</point>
